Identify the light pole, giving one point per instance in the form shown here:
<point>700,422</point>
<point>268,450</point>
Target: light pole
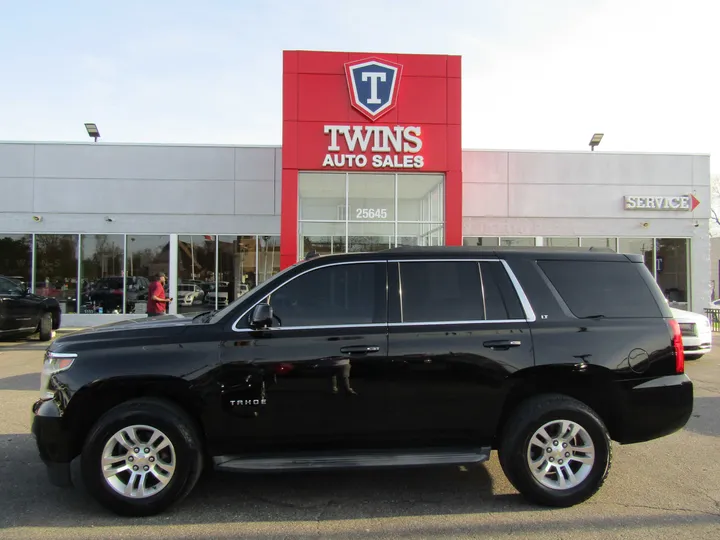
<point>92,130</point>
<point>595,141</point>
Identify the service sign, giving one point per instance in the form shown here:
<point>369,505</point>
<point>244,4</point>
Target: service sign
<point>682,203</point>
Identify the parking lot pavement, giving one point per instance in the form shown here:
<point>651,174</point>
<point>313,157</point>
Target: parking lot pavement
<point>31,343</point>
<point>668,488</point>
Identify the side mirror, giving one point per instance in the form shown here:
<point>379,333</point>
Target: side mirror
<point>261,316</point>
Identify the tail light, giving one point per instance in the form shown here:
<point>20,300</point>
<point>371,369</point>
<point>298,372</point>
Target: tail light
<point>678,346</point>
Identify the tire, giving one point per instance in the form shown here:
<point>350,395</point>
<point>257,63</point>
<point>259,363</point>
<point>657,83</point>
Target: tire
<point>517,448</point>
<point>150,418</point>
<point>694,356</point>
<point>45,326</point>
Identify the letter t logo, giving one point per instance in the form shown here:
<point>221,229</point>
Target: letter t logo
<point>373,77</point>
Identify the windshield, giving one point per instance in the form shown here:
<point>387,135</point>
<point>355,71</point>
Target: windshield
<point>266,286</point>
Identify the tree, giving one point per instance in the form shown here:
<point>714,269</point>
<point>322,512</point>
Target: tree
<point>714,203</point>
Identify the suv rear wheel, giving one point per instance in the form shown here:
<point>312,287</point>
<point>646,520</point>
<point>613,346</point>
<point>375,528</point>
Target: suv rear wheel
<point>555,450</point>
<point>141,457</point>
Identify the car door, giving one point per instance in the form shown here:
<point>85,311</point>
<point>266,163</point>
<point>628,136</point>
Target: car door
<point>17,310</point>
<point>456,332</point>
<point>295,383</point>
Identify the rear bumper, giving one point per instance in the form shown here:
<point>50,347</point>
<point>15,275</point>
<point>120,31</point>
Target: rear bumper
<point>654,409</point>
<point>53,441</point>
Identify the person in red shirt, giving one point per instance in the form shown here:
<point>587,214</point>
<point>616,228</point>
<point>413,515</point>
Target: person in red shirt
<point>157,303</point>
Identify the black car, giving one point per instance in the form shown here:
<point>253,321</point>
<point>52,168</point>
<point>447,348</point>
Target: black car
<point>23,314</point>
<point>405,357</point>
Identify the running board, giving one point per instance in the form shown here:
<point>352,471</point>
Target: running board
<point>352,460</point>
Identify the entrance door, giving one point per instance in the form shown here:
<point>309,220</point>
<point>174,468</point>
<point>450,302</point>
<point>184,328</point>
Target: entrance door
<point>17,311</point>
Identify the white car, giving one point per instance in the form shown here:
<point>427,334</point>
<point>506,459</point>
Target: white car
<point>189,294</point>
<point>696,333</point>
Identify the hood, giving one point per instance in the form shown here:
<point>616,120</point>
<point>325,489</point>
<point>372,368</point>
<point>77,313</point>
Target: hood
<point>688,316</point>
<point>148,323</point>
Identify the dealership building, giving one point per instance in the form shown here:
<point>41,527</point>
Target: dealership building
<point>371,158</point>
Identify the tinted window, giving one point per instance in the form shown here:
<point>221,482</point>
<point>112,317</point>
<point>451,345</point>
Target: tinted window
<point>334,295</point>
<point>611,289</point>
<point>441,291</point>
<point>501,300</point>
<point>9,287</point>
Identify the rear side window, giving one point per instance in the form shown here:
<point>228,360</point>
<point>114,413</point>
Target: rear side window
<point>594,288</point>
<point>441,291</point>
<point>445,291</point>
<point>501,299</point>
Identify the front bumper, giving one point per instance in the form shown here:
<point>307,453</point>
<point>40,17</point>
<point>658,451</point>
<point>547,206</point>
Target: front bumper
<point>654,409</point>
<point>698,344</point>
<point>54,441</point>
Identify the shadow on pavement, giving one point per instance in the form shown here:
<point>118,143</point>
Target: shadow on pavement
<point>705,418</point>
<point>27,381</point>
<point>229,498</point>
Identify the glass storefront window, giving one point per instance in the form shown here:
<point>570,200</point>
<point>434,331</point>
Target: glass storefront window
<point>524,241</point>
<point>561,242</point>
<point>322,196</point>
<point>325,238</point>
<point>420,197</point>
<point>639,246</point>
<point>101,273</point>
<point>16,257</point>
<point>147,255</point>
<point>370,236</point>
<point>490,241</point>
<point>268,257</point>
<point>420,234</point>
<point>196,272</point>
<point>330,218</point>
<point>371,197</point>
<point>236,269</point>
<point>592,241</point>
<point>56,268</point>
<point>671,268</point>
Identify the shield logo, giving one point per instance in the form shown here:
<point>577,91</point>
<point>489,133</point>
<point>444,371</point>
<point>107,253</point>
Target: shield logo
<point>373,85</point>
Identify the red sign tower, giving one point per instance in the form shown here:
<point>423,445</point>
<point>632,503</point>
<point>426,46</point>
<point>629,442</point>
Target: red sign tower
<point>370,113</point>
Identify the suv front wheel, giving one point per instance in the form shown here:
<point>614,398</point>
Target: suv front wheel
<point>141,457</point>
<point>555,450</point>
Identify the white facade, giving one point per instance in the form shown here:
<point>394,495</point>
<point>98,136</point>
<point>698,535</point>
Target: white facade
<point>129,189</point>
<point>553,194</point>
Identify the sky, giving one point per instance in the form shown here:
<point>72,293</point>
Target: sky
<point>537,74</point>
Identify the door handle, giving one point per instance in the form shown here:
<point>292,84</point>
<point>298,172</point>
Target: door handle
<point>360,349</point>
<point>502,344</point>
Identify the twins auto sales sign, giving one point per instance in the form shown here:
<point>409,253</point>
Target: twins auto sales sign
<point>374,114</point>
<point>374,86</point>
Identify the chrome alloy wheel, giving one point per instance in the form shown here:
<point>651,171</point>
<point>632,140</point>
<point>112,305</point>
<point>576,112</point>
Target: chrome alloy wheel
<point>561,454</point>
<point>138,461</point>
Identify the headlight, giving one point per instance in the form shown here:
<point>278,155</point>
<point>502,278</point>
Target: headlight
<point>54,363</point>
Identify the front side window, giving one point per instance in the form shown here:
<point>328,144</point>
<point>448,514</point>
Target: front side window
<point>344,294</point>
<point>9,288</point>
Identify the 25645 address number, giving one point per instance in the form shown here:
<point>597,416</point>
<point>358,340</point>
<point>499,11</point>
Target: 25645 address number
<point>371,213</point>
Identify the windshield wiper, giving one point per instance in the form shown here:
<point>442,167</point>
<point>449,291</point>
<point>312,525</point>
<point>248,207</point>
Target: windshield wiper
<point>207,316</point>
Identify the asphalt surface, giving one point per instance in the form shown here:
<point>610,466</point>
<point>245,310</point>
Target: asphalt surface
<point>668,488</point>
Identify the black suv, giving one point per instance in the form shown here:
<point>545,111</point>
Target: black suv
<point>23,314</point>
<point>405,357</point>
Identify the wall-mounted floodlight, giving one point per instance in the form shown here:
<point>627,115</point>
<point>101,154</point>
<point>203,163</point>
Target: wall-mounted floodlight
<point>92,131</point>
